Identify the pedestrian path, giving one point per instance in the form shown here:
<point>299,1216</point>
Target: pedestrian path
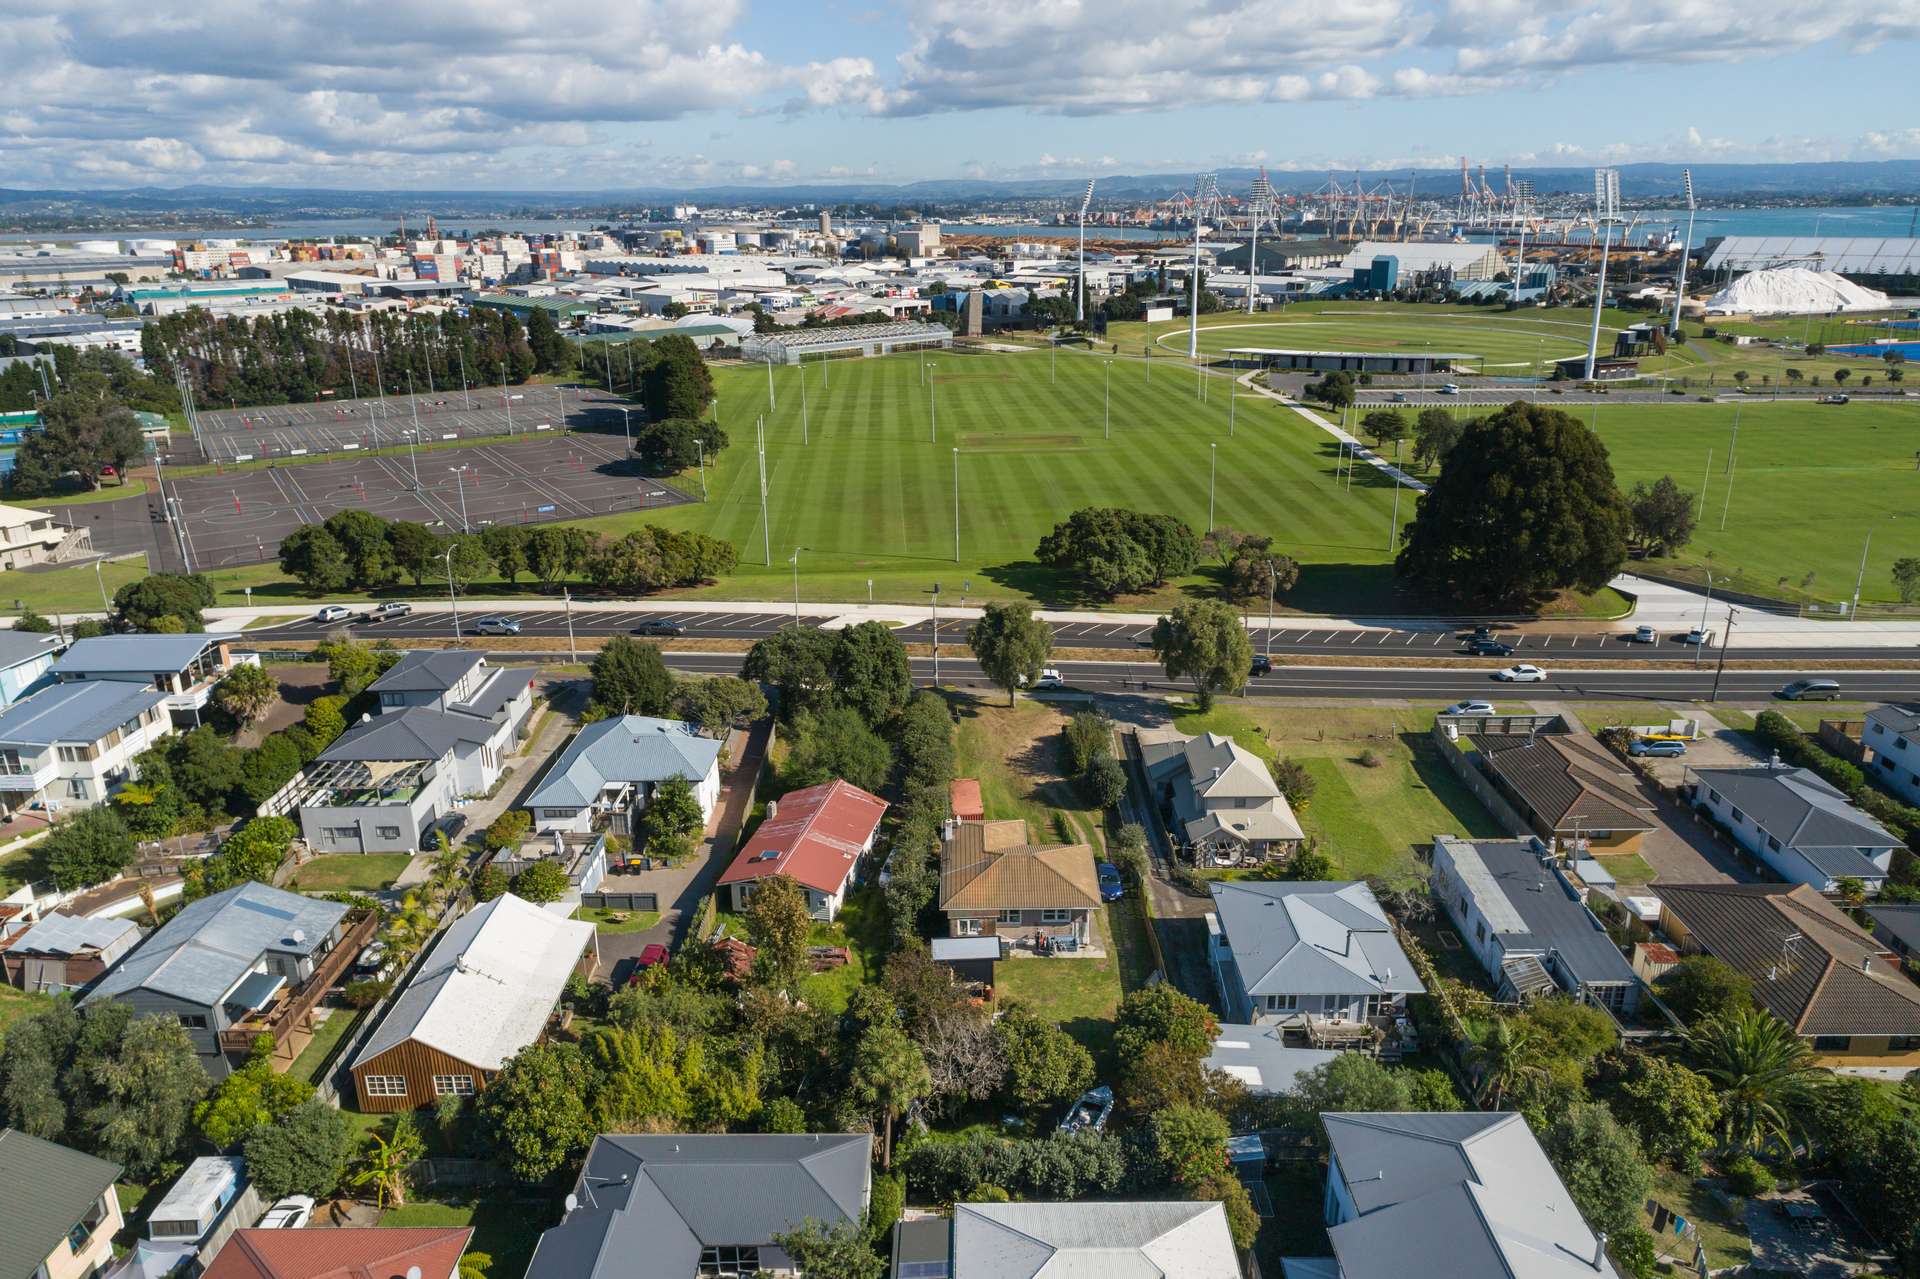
<point>1360,450</point>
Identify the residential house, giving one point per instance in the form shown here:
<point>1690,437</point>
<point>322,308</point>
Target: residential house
<point>487,989</point>
<point>1799,825</point>
<point>58,1209</point>
<point>1162,1238</point>
<point>994,883</point>
<point>609,771</point>
<point>1568,787</point>
<point>355,1252</point>
<point>1527,923</point>
<point>246,962</point>
<point>1259,1056</point>
<point>815,837</point>
<point>1897,927</point>
<point>1457,1195</point>
<point>1317,957</point>
<point>1810,964</point>
<point>33,537</point>
<point>65,952</point>
<point>1891,735</point>
<point>1220,799</point>
<point>69,746</point>
<point>185,668</point>
<point>455,681</point>
<point>26,660</point>
<point>702,1206</point>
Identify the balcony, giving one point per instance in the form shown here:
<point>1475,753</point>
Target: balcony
<point>27,778</point>
<point>288,1019</point>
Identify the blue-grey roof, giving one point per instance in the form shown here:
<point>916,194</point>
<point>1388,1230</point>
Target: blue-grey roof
<point>1312,938</point>
<point>109,654</point>
<point>626,748</point>
<point>1259,1057</point>
<point>1807,815</point>
<point>1534,909</point>
<point>1901,922</point>
<point>426,670</point>
<point>84,712</point>
<point>213,943</point>
<point>23,646</point>
<point>499,688</point>
<point>59,934</point>
<point>664,1198</point>
<point>417,733</point>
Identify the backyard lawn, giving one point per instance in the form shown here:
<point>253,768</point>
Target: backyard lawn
<point>15,1004</point>
<point>1017,753</point>
<point>1721,1231</point>
<point>505,1229</point>
<point>349,872</point>
<point>1369,819</point>
<point>17,869</point>
<point>1079,992</point>
<point>855,929</point>
<point>618,921</point>
<point>326,1037</point>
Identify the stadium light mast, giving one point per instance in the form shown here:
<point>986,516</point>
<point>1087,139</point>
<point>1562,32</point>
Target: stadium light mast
<point>1080,306</point>
<point>1200,185</point>
<point>1686,247</point>
<point>1606,212</point>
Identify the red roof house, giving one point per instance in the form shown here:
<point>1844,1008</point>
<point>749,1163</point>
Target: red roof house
<point>815,837</point>
<point>352,1253</point>
<point>963,793</point>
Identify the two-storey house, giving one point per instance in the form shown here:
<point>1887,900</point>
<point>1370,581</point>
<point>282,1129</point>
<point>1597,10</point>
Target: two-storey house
<point>26,660</point>
<point>1892,735</point>
<point>58,1210</point>
<point>67,746</point>
<point>33,537</point>
<point>1221,799</point>
<point>184,668</point>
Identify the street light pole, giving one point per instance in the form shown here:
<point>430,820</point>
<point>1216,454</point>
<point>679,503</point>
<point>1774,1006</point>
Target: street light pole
<point>1233,404</point>
<point>1393,529</point>
<point>1213,471</point>
<point>700,447</point>
<point>452,599</point>
<point>794,560</point>
<point>956,505</point>
<point>1271,575</point>
<point>933,417</point>
<point>1109,399</point>
<point>1726,642</point>
<point>626,426</point>
<point>506,398</point>
<point>771,405</point>
<point>1861,580</point>
<point>936,635</point>
<point>1731,449</point>
<point>465,393</point>
<point>803,405</point>
<point>460,480</point>
<point>573,654</point>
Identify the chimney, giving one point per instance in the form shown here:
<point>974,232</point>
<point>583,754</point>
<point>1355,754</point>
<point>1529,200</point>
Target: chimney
<point>1866,963</point>
<point>1600,1250</point>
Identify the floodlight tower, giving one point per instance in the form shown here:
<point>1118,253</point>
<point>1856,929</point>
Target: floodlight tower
<point>1606,215</point>
<point>1260,208</point>
<point>1686,247</point>
<point>1080,305</point>
<point>1205,195</point>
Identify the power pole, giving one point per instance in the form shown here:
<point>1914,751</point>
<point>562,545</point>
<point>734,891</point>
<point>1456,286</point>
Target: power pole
<point>1726,642</point>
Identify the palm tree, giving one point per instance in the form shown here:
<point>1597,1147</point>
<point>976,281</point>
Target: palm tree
<point>1763,1072</point>
<point>1504,1061</point>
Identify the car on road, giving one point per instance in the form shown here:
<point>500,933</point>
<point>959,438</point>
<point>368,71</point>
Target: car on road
<point>1262,665</point>
<point>388,611</point>
<point>1665,746</point>
<point>290,1213</point>
<point>496,626</point>
<point>1398,397</point>
<point>660,626</point>
<point>1811,690</point>
<point>652,955</point>
<point>1111,887</point>
<point>332,613</point>
<point>1048,678</point>
<point>1644,635</point>
<point>1834,399</point>
<point>1489,648</point>
<point>1469,708</point>
<point>1522,674</point>
<point>1451,388</point>
<point>1697,636</point>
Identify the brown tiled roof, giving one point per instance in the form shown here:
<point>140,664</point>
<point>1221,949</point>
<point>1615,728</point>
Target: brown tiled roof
<point>990,866</point>
<point>1569,781</point>
<point>355,1253</point>
<point>1815,983</point>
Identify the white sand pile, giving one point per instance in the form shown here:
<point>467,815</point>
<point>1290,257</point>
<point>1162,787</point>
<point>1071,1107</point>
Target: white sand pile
<point>1794,290</point>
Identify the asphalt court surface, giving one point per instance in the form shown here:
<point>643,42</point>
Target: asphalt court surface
<point>239,517</point>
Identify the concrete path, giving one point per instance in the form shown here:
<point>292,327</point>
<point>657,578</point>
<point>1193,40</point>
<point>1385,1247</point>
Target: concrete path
<point>1360,450</point>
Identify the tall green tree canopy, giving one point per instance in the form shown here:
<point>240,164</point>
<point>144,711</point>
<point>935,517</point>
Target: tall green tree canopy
<point>1112,551</point>
<point>1203,641</point>
<point>144,605</point>
<point>1011,645</point>
<point>630,679</point>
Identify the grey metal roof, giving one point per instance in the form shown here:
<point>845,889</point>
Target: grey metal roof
<point>70,934</point>
<point>417,733</point>
<point>1150,1239</point>
<point>1895,719</point>
<point>1807,815</point>
<point>1311,938</point>
<point>423,670</point>
<point>23,646</point>
<point>146,654</point>
<point>626,748</point>
<point>499,688</point>
<point>83,712</point>
<point>1513,885</point>
<point>665,1197</point>
<point>1855,255</point>
<point>1258,1057</point>
<point>1455,1196</point>
<point>45,1191</point>
<point>1902,923</point>
<point>200,953</point>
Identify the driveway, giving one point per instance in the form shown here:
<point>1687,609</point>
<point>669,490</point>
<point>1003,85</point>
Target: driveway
<point>1179,921</point>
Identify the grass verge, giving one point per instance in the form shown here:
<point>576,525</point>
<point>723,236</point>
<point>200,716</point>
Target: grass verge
<point>349,872</point>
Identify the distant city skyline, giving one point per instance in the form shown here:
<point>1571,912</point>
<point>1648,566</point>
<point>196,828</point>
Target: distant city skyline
<point>409,94</point>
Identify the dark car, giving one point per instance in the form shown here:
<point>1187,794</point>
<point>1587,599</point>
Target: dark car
<point>659,626</point>
<point>1262,664</point>
<point>1489,648</point>
<point>1482,632</point>
<point>1111,887</point>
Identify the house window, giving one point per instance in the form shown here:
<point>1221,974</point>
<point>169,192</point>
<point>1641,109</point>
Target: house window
<point>453,1085</point>
<point>1886,762</point>
<point>78,754</point>
<point>1773,844</point>
<point>1480,930</point>
<point>1056,916</point>
<point>1330,1004</point>
<point>1009,917</point>
<point>966,926</point>
<point>388,832</point>
<point>77,788</point>
<point>1902,1043</point>
<point>341,833</point>
<point>386,1085</point>
<point>1283,1003</point>
<point>193,1021</point>
<point>1713,794</point>
<point>1899,743</point>
<point>1832,1043</point>
<point>729,1261</point>
<point>1738,817</point>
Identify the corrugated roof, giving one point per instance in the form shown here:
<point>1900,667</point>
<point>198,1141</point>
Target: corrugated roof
<point>815,838</point>
<point>211,944</point>
<point>23,646</point>
<point>145,654</point>
<point>1807,815</point>
<point>1311,938</point>
<point>70,934</point>
<point>1153,1239</point>
<point>979,870</point>
<point>1536,910</point>
<point>1803,955</point>
<point>45,1191</point>
<point>83,712</point>
<point>1895,719</point>
<point>426,671</point>
<point>963,796</point>
<point>488,986</point>
<point>416,733</point>
<point>1258,1056</point>
<point>499,688</point>
<point>626,748</point>
<point>354,1252</point>
<point>1862,255</point>
<point>1902,922</point>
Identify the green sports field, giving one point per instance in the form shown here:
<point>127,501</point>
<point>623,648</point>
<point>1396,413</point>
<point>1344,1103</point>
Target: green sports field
<point>1517,343</point>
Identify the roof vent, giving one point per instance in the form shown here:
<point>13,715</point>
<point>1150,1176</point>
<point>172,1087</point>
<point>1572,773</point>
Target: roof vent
<point>1866,963</point>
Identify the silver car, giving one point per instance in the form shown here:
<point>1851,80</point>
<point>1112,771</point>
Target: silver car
<point>496,626</point>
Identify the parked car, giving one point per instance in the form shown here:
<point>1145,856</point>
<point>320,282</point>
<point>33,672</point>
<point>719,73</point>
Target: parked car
<point>1091,1112</point>
<point>652,955</point>
<point>290,1213</point>
<point>1469,708</point>
<point>1663,747</point>
<point>388,611</point>
<point>659,626</point>
<point>1483,632</point>
<point>332,613</point>
<point>496,626</point>
<point>1489,648</point>
<point>1521,674</point>
<point>1811,690</point>
<point>1645,635</point>
<point>1262,665</point>
<point>1111,887</point>
<point>1697,636</point>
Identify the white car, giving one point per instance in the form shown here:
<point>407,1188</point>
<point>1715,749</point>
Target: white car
<point>1645,635</point>
<point>1048,678</point>
<point>332,613</point>
<point>1451,388</point>
<point>290,1213</point>
<point>1521,675</point>
<point>1469,708</point>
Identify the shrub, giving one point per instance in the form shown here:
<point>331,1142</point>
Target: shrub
<point>1747,1176</point>
<point>1370,758</point>
<point>364,994</point>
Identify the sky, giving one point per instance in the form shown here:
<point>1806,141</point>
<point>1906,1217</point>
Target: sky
<point>619,94</point>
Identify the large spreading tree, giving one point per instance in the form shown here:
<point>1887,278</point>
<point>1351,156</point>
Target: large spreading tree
<point>1115,551</point>
<point>1011,645</point>
<point>1204,642</point>
<point>1525,505</point>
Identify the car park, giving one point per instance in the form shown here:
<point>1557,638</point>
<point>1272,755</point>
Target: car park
<point>332,613</point>
<point>1112,889</point>
<point>659,626</point>
<point>496,626</point>
<point>1469,708</point>
<point>1522,674</point>
<point>1660,747</point>
<point>290,1213</point>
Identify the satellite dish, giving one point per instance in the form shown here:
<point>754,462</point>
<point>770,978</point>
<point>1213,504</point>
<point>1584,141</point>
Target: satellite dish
<point>573,1201</point>
<point>413,1272</point>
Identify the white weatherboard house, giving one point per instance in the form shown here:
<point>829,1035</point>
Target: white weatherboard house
<point>1222,799</point>
<point>1303,952</point>
<point>185,668</point>
<point>68,746</point>
<point>1798,824</point>
<point>609,771</point>
<point>1892,734</point>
